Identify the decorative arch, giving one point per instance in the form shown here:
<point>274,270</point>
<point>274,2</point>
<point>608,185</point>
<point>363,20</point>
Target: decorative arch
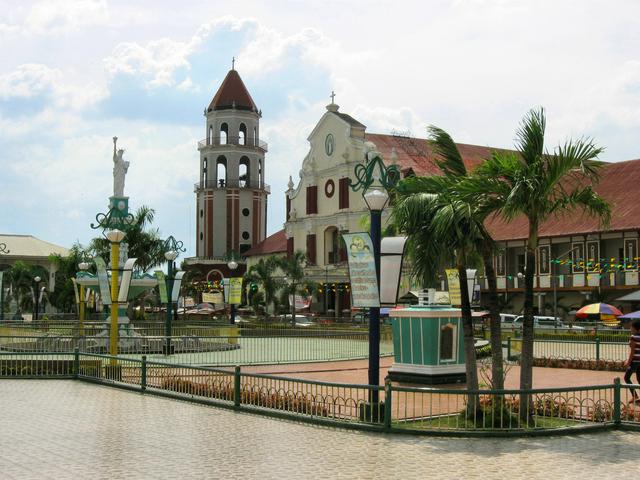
<point>221,167</point>
<point>244,172</point>
<point>224,134</point>
<point>242,134</point>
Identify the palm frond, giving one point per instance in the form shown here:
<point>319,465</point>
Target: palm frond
<point>449,159</point>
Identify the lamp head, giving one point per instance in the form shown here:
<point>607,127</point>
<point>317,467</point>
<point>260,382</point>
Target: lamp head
<point>37,279</point>
<point>171,255</point>
<point>232,265</point>
<point>83,266</point>
<point>115,236</point>
<point>520,275</point>
<point>376,199</point>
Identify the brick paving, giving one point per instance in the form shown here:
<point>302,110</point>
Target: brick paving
<point>72,430</point>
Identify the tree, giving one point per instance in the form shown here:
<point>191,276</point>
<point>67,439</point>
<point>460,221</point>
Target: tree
<point>63,297</point>
<point>262,274</point>
<point>442,230</point>
<point>538,184</point>
<point>20,278</point>
<point>293,269</point>
<point>144,243</point>
<point>454,173</point>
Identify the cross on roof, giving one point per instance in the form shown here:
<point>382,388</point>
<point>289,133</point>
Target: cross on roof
<point>233,63</point>
<point>333,96</point>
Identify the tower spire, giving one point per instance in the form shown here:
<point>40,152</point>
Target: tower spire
<point>233,63</point>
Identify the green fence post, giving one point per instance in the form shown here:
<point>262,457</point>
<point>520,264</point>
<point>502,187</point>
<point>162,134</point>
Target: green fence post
<point>387,404</point>
<point>509,348</point>
<point>597,349</point>
<point>236,387</point>
<point>143,374</point>
<point>76,362</point>
<point>616,401</point>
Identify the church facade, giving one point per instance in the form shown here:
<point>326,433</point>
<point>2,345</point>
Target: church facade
<point>231,193</point>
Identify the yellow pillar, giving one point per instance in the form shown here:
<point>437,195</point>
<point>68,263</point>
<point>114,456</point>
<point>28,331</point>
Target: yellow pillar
<point>113,336</point>
<point>81,311</point>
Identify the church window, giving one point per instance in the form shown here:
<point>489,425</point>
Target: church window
<point>224,132</point>
<point>331,246</point>
<point>210,137</point>
<point>245,212</point>
<point>242,134</point>
<point>312,199</point>
<point>243,172</point>
<point>260,177</point>
<point>221,167</point>
<point>343,193</point>
<point>329,188</point>
<point>311,248</point>
<point>201,213</point>
<point>201,236</point>
<point>245,235</point>
<point>289,247</point>
<point>255,137</point>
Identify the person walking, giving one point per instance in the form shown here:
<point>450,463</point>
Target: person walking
<point>632,364</point>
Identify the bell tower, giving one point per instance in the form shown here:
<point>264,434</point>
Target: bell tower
<point>231,196</point>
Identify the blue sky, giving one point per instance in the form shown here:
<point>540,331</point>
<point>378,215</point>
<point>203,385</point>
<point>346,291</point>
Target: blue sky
<point>75,73</point>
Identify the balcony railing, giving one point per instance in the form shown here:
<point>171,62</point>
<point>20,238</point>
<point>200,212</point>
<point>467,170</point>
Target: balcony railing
<point>236,141</point>
<point>222,184</point>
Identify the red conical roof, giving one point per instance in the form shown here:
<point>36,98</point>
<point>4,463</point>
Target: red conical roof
<point>232,94</point>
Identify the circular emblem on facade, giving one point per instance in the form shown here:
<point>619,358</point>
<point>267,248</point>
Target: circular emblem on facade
<point>329,144</point>
<point>245,235</point>
<point>121,205</point>
<point>329,188</point>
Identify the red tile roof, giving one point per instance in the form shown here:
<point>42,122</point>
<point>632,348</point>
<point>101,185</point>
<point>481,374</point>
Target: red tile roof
<point>232,93</point>
<point>276,243</point>
<point>417,155</point>
<point>619,185</point>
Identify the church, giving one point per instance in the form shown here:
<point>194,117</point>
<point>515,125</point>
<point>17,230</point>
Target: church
<point>576,258</point>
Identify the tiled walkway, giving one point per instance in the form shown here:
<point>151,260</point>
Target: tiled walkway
<point>68,429</point>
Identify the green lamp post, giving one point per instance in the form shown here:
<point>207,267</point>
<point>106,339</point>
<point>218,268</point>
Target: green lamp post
<point>375,179</point>
<point>172,248</point>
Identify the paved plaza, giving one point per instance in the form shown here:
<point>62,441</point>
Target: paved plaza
<point>68,429</point>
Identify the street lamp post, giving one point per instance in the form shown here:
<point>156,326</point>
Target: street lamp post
<point>3,251</point>
<point>37,281</point>
<point>172,249</point>
<point>115,237</point>
<point>232,264</point>
<point>83,266</point>
<point>375,179</point>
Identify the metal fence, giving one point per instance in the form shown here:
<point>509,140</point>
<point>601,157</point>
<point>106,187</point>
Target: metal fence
<point>400,409</point>
<point>313,346</point>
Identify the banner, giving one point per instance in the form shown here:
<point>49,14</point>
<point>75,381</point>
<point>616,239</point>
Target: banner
<point>453,281</point>
<point>103,280</point>
<point>125,282</point>
<point>235,290</point>
<point>301,302</point>
<point>162,286</point>
<point>75,288</point>
<point>362,270</point>
<point>177,283</point>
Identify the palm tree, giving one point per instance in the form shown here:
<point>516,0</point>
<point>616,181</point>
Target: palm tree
<point>454,172</point>
<point>144,243</point>
<point>442,230</point>
<point>538,184</point>
<point>262,273</point>
<point>293,269</point>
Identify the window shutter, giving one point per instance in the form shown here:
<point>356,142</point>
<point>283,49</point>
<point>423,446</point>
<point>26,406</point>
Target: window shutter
<point>289,247</point>
<point>311,248</point>
<point>343,192</point>
<point>312,199</point>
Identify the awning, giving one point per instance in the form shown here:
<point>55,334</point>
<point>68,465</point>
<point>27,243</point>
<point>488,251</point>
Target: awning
<point>630,297</point>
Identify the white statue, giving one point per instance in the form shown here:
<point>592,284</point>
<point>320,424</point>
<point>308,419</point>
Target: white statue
<point>120,168</point>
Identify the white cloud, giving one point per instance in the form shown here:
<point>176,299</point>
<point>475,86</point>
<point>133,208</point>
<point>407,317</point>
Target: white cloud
<point>29,80</point>
<point>59,16</point>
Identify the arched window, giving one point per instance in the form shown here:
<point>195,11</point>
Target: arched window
<point>242,134</point>
<point>221,168</point>
<point>244,173</point>
<point>260,178</point>
<point>210,135</point>
<point>255,137</point>
<point>204,171</point>
<point>224,133</point>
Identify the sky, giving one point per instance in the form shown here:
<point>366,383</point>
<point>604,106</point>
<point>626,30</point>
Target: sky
<point>75,73</point>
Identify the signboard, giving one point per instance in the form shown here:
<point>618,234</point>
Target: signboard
<point>235,290</point>
<point>362,270</point>
<point>212,297</point>
<point>162,286</point>
<point>453,281</point>
<point>103,280</point>
<point>301,302</point>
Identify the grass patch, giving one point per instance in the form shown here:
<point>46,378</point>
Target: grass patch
<point>459,422</point>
